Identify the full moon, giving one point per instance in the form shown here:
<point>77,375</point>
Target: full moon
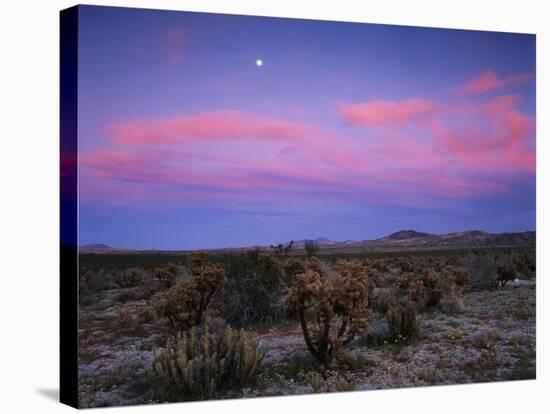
<point>259,62</point>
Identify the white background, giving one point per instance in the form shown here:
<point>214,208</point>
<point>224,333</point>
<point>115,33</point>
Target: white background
<point>29,208</point>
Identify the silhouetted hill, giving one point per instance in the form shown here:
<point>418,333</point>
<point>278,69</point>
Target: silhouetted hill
<point>411,238</point>
<point>96,246</point>
<point>406,235</point>
<point>466,238</point>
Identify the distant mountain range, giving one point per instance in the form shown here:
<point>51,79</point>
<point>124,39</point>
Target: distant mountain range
<point>102,248</point>
<point>415,238</point>
<point>98,246</point>
<point>403,238</point>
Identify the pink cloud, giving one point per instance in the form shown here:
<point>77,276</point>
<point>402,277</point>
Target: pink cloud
<point>213,125</point>
<point>171,168</point>
<point>489,81</point>
<point>456,149</point>
<point>377,113</point>
<point>491,137</point>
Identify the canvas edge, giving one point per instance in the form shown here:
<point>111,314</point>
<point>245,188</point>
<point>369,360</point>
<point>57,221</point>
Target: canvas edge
<point>68,306</point>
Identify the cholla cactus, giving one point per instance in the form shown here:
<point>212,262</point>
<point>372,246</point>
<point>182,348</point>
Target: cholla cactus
<point>406,264</point>
<point>294,267</point>
<point>196,260</point>
<point>185,304</point>
<point>425,289</point>
<point>380,265</point>
<point>351,295</point>
<point>413,287</point>
<point>505,274</point>
<point>373,274</point>
<point>332,311</point>
<point>166,275</point>
<point>172,268</point>
<point>195,365</point>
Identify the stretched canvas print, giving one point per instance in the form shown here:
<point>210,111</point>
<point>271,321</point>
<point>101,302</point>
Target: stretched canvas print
<point>255,206</point>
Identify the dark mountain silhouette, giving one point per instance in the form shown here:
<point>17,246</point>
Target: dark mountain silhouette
<point>98,246</point>
<point>415,238</point>
<point>406,235</point>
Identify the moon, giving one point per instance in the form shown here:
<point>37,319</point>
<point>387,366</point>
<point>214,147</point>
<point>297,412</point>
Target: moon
<point>259,62</point>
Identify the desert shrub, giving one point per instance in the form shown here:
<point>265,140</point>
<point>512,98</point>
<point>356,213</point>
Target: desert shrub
<point>145,313</point>
<point>294,267</point>
<point>101,280</point>
<point>526,264</point>
<point>482,268</point>
<point>194,365</point>
<point>332,311</point>
<point>166,276</point>
<point>521,268</point>
<point>413,288</point>
<point>124,316</point>
<point>186,303</point>
<point>505,274</point>
<point>373,275</point>
<point>128,278</point>
<point>424,289</point>
<point>404,280</point>
<point>381,299</point>
<point>172,268</point>
<point>378,332</point>
<point>379,264</point>
<point>403,322</point>
<point>530,263</point>
<point>253,292</point>
<point>460,277</point>
<point>84,292</point>
<point>433,286</point>
<point>488,270</point>
<point>452,300</point>
<point>196,260</point>
<point>329,381</point>
<point>406,264</point>
<point>311,248</point>
<point>453,260</point>
<point>389,279</point>
<point>125,296</point>
<point>145,291</point>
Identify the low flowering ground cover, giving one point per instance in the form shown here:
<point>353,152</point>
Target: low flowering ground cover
<point>489,336</point>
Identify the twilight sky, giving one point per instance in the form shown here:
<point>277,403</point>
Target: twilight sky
<point>347,131</point>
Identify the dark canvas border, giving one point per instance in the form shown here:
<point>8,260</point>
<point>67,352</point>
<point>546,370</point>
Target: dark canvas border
<point>69,207</point>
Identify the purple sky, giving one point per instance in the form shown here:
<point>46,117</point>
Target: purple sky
<point>347,131</point>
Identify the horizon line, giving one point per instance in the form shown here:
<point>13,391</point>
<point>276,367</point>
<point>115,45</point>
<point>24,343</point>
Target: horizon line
<point>87,245</point>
